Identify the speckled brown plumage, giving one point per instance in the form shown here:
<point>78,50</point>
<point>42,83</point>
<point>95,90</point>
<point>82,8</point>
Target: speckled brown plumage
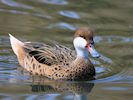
<point>56,62</point>
<point>60,67</point>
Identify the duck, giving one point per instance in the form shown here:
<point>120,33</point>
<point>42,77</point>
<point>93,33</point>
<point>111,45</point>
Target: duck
<point>56,61</point>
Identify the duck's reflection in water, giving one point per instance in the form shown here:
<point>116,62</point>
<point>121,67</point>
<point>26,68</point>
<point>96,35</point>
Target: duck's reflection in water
<point>79,90</point>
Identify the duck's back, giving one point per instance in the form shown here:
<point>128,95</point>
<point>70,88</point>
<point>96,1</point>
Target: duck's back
<point>50,55</point>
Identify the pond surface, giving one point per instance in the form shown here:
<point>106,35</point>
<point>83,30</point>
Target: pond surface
<point>56,20</point>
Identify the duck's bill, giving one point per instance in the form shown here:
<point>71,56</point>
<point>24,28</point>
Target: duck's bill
<point>92,51</point>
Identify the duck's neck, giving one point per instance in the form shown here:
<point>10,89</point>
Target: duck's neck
<point>82,53</point>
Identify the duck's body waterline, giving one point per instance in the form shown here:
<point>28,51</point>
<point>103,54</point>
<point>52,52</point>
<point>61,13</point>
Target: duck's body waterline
<point>58,62</point>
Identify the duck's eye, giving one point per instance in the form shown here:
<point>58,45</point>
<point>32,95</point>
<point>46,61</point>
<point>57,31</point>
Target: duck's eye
<point>82,36</point>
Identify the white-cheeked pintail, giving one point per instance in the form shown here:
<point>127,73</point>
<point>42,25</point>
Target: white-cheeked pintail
<point>58,62</point>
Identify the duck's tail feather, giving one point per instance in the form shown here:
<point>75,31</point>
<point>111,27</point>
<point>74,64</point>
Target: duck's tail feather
<point>17,46</point>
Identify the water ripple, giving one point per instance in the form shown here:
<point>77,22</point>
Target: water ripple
<point>12,3</point>
<point>26,13</point>
<point>55,2</point>
<point>102,67</point>
<point>62,25</point>
<point>70,14</point>
<point>111,39</point>
<point>15,4</point>
<point>122,77</point>
<point>106,59</point>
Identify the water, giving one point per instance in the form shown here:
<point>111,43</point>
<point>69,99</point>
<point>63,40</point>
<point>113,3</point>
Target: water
<point>56,20</point>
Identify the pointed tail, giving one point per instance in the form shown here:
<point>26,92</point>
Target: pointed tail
<point>17,46</point>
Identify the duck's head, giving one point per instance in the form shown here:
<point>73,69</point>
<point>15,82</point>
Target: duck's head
<point>83,43</point>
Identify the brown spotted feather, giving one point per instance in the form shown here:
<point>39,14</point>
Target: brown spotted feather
<point>55,62</point>
<point>67,69</point>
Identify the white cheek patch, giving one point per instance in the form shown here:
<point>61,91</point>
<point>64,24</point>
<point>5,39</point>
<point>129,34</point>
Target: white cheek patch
<point>79,42</point>
<point>80,46</point>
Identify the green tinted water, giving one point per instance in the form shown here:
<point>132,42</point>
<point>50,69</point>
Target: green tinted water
<point>56,20</point>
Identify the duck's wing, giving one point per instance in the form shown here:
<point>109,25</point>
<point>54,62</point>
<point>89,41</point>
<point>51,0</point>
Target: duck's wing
<point>50,55</point>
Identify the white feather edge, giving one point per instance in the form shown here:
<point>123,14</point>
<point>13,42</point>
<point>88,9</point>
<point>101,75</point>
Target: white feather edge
<point>15,44</point>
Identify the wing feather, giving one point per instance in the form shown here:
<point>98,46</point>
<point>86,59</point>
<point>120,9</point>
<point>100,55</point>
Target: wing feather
<point>50,55</point>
